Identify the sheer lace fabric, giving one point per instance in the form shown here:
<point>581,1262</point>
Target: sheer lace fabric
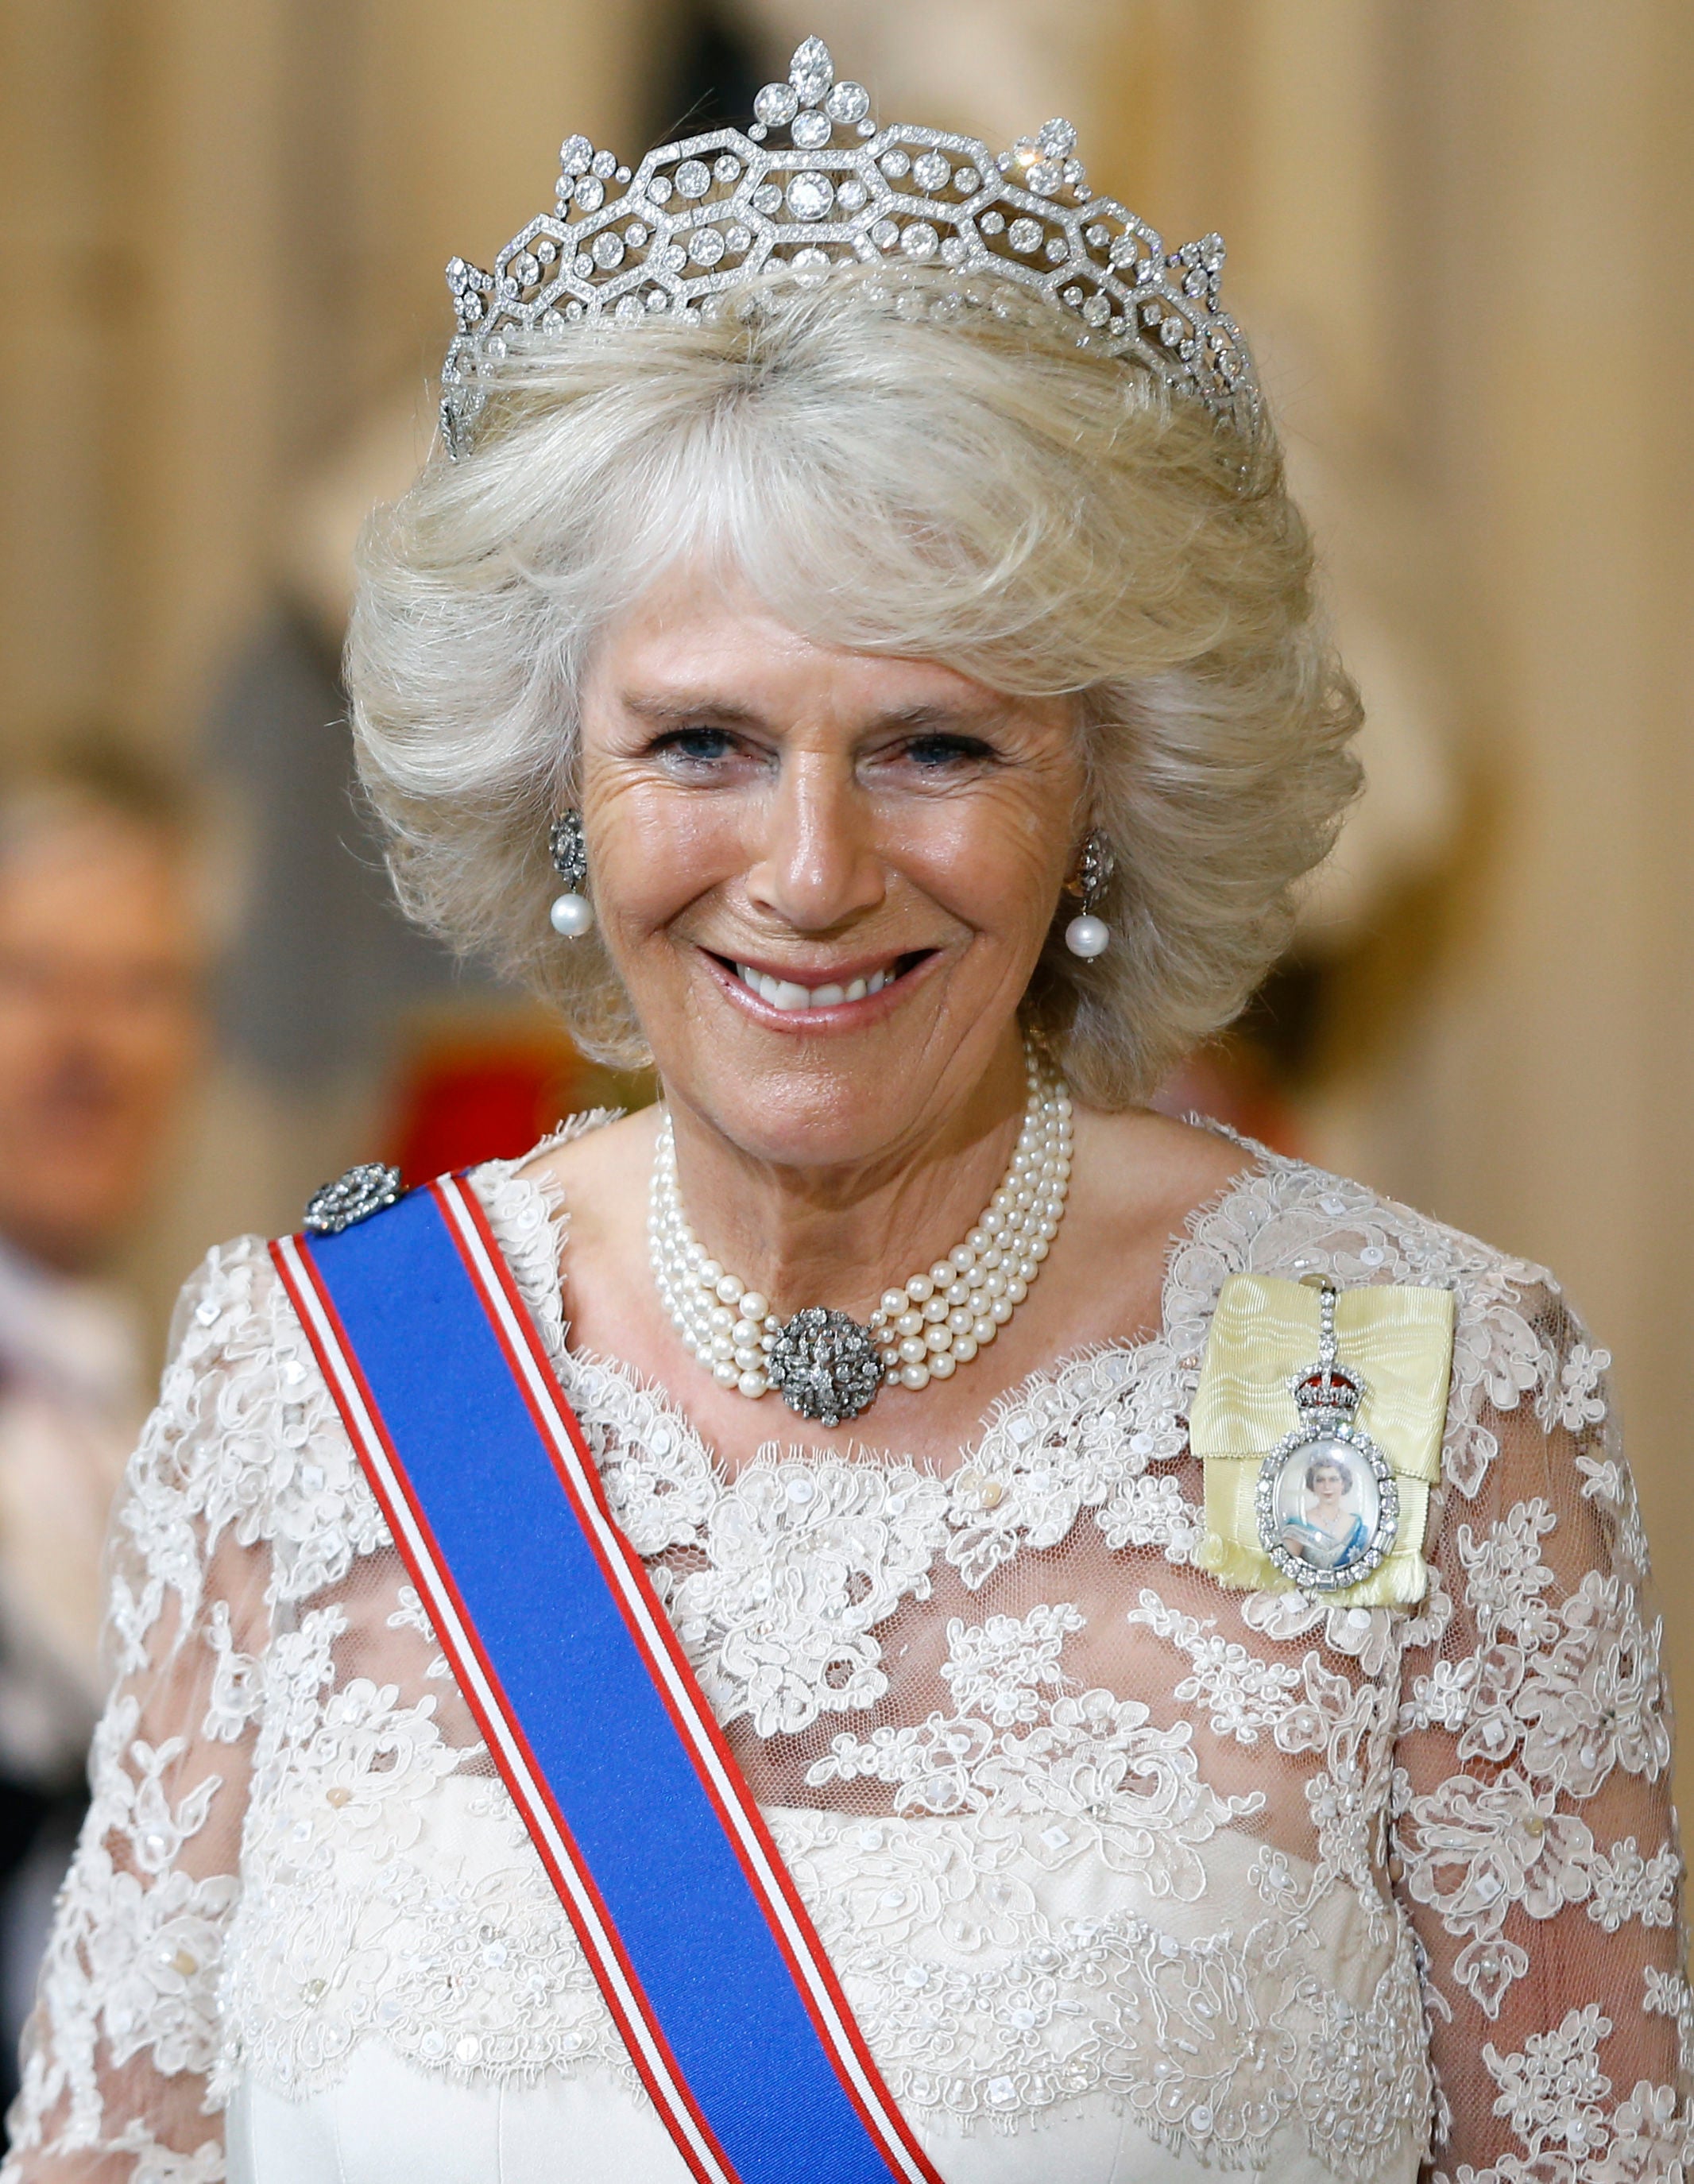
<point>1281,1884</point>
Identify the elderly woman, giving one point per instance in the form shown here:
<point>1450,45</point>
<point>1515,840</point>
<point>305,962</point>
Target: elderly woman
<point>756,1642</point>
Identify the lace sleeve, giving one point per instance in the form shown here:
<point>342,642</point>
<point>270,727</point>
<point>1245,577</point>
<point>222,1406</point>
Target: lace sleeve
<point>120,2083</point>
<point>1534,1840</point>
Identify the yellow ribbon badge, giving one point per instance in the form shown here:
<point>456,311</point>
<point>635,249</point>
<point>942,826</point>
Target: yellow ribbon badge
<point>1322,1502</point>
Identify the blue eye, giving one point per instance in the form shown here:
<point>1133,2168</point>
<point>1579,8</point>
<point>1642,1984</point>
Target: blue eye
<point>934,754</point>
<point>696,746</point>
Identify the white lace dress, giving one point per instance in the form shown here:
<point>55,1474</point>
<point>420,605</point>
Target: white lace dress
<point>1127,1877</point>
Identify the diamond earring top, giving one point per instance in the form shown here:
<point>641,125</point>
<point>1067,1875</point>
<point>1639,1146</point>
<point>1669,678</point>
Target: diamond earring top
<point>815,182</point>
<point>572,914</point>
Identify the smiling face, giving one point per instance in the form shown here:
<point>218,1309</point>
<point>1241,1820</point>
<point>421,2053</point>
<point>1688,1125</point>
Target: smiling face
<point>824,877</point>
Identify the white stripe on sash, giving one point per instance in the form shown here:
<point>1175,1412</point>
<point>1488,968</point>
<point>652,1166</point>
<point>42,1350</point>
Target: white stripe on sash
<point>661,1651</point>
<point>760,1859</point>
<point>647,2049</point>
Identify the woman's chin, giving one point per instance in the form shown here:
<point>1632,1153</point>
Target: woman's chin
<point>840,1088</point>
<point>834,1118</point>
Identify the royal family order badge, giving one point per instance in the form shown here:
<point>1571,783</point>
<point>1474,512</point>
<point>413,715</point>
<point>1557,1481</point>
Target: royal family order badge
<point>1319,1420</point>
<point>1327,1499</point>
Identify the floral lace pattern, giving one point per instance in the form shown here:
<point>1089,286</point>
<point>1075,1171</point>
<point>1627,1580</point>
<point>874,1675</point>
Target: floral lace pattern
<point>1554,2093</point>
<point>1092,1765</point>
<point>1075,1825</point>
<point>987,2005</point>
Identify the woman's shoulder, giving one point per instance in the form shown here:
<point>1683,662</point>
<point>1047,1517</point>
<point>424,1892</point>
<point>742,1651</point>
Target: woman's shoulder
<point>1273,1212</point>
<point>1284,1204</point>
<point>1232,1204</point>
<point>244,1444</point>
<point>1518,1345</point>
<point>230,1296</point>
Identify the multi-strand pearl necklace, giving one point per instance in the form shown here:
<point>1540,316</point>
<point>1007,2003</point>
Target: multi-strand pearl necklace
<point>828,1366</point>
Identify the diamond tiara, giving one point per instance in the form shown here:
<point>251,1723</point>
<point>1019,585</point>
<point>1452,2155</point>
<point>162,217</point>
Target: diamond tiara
<point>813,182</point>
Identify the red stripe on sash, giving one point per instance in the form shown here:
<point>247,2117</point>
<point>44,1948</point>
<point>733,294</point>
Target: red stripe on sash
<point>654,1636</point>
<point>622,1992</point>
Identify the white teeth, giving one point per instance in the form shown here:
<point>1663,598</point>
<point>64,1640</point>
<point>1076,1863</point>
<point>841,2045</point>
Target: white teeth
<point>784,993</point>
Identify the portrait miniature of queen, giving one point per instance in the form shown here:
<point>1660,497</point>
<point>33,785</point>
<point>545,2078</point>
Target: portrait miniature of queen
<point>1328,1532</point>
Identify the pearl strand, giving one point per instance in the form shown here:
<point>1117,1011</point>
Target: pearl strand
<point>727,1326</point>
<point>924,1330</point>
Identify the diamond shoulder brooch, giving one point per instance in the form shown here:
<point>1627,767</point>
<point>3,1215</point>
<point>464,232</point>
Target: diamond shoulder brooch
<point>352,1197</point>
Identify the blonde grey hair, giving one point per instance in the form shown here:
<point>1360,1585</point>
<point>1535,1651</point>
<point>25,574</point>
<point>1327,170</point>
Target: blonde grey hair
<point>974,490</point>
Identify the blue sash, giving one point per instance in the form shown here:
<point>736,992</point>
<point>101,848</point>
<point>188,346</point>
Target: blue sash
<point>689,1919</point>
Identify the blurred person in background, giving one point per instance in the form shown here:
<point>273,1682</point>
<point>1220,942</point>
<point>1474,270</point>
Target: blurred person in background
<point>100,978</point>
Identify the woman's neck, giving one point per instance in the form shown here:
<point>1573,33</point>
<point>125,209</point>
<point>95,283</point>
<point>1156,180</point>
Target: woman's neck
<point>841,1236</point>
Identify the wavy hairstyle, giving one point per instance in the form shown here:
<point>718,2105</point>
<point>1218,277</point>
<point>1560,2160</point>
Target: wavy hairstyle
<point>892,473</point>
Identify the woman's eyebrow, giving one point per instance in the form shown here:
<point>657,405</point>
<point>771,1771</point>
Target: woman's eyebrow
<point>935,716</point>
<point>704,709</point>
<point>685,710</point>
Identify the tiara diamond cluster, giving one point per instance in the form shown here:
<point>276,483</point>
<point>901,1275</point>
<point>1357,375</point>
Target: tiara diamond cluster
<point>814,182</point>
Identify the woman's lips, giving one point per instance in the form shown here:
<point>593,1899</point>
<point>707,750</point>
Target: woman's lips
<point>788,996</point>
<point>784,993</point>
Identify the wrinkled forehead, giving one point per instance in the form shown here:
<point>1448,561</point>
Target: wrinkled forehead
<point>702,619</point>
<point>702,645</point>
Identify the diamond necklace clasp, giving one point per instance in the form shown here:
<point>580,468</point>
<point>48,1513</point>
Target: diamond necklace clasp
<point>823,1363</point>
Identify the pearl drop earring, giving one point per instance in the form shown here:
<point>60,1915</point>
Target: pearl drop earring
<point>572,914</point>
<point>1089,935</point>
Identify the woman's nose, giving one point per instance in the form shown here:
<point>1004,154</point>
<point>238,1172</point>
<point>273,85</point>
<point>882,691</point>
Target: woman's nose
<point>816,865</point>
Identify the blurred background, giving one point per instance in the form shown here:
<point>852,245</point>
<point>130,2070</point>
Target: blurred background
<point>1460,237</point>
